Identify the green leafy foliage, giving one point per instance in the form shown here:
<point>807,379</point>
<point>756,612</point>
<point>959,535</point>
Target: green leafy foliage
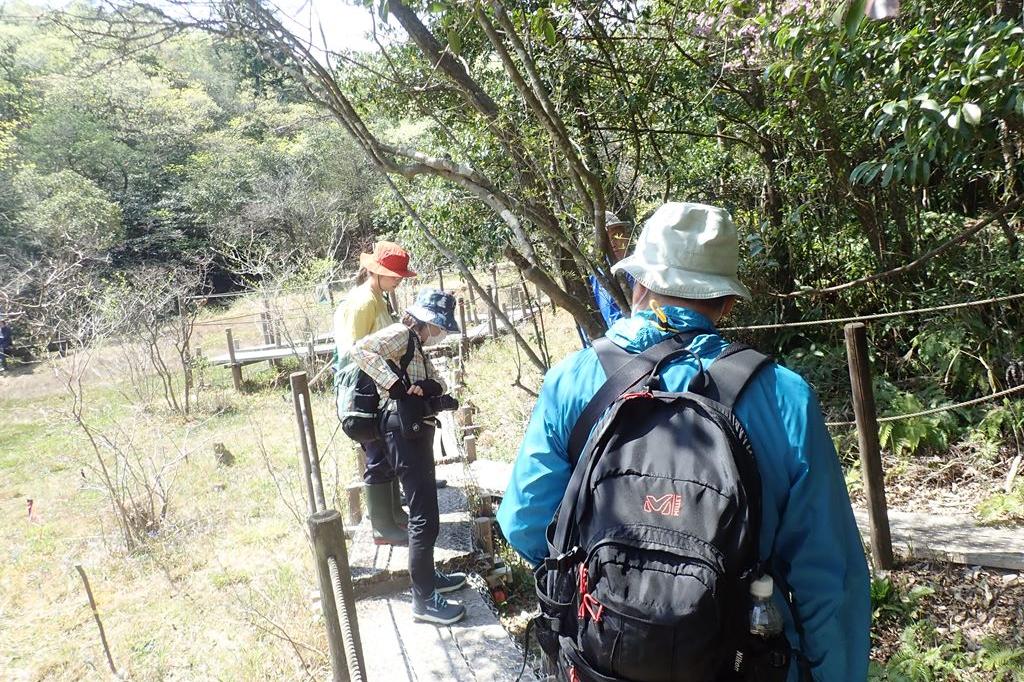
<point>926,655</point>
<point>890,603</point>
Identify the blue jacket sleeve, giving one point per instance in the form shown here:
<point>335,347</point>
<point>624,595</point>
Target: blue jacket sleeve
<point>541,471</point>
<point>818,551</point>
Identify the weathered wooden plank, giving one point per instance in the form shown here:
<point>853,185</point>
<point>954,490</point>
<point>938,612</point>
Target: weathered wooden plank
<point>957,539</point>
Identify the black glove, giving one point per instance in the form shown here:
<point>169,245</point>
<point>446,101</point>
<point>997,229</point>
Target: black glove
<point>430,388</point>
<point>398,390</point>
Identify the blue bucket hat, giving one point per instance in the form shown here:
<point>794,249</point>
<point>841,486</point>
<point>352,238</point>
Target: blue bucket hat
<point>435,307</point>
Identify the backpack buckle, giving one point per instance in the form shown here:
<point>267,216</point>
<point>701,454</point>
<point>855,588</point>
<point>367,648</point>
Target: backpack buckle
<point>563,561</point>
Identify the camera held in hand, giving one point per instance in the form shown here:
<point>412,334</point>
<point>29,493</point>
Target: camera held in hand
<point>442,403</point>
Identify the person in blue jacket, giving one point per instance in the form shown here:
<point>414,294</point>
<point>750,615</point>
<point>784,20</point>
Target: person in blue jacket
<point>685,265</point>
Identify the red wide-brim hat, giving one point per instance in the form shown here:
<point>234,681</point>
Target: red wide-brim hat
<point>388,259</point>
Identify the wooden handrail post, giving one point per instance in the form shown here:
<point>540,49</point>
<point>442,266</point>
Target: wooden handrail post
<point>337,598</point>
<point>473,314</point>
<point>870,449</point>
<point>186,353</point>
<point>355,503</point>
<point>307,442</point>
<point>236,369</point>
<point>463,338</point>
<point>492,320</point>
<point>266,323</point>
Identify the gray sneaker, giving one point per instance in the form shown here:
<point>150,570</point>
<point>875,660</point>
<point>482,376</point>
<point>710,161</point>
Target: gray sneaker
<point>448,582</point>
<point>436,610</point>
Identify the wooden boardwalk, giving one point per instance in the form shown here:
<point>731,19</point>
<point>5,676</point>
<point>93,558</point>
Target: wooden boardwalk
<point>956,539</point>
<point>476,649</point>
<point>323,345</point>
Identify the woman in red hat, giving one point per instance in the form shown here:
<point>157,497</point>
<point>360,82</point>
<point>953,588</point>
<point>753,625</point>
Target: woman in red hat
<point>365,311</point>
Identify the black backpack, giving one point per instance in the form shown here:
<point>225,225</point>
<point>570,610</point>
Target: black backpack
<point>654,546</point>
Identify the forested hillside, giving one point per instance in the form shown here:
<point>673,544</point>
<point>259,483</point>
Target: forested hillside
<point>171,156</point>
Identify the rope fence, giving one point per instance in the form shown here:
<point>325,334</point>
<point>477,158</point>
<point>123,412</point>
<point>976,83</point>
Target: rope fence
<point>936,410</point>
<point>275,318</point>
<point>263,292</point>
<point>875,316</point>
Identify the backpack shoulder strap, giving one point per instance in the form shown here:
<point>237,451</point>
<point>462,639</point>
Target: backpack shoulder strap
<point>732,371</point>
<point>610,356</point>
<point>410,349</point>
<point>624,370</point>
<point>402,368</point>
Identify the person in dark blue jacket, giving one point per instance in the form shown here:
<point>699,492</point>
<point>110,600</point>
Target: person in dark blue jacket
<point>685,267</point>
<point>6,343</point>
<point>618,235</point>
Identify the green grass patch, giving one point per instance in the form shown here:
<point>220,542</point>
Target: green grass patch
<point>1003,507</point>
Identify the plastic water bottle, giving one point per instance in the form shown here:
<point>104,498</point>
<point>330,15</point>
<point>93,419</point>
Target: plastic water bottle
<point>765,619</point>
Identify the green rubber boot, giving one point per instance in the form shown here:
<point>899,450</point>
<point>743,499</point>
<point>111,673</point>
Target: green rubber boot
<point>401,518</point>
<point>382,520</point>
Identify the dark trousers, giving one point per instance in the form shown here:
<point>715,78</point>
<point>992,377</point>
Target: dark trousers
<point>413,461</point>
<point>378,468</point>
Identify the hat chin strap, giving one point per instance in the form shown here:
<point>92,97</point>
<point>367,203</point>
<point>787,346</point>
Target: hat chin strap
<point>375,282</point>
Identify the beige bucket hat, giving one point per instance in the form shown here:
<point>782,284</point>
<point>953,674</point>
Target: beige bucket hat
<point>687,251</point>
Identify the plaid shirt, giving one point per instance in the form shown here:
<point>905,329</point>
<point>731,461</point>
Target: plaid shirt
<point>372,353</point>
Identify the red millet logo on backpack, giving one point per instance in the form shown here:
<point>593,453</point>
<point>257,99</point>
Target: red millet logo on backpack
<point>666,505</point>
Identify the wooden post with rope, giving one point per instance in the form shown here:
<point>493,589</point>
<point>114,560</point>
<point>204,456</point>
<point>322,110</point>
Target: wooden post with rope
<point>266,324</point>
<point>468,433</point>
<point>870,449</point>
<point>354,493</point>
<point>537,319</point>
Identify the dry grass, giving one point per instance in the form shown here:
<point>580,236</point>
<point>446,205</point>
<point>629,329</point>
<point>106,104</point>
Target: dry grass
<point>213,595</point>
<point>491,373</point>
<point>227,581</point>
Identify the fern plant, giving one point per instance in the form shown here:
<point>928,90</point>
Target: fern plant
<point>908,436</point>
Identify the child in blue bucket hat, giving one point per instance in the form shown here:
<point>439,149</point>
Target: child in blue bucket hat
<point>415,393</point>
